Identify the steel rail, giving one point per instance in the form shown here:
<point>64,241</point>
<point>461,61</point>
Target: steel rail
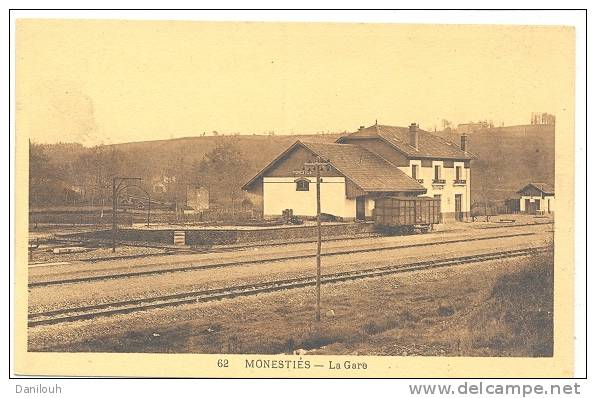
<point>133,305</point>
<point>196,267</point>
<point>240,247</point>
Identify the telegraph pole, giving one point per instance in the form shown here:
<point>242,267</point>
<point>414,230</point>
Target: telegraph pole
<point>318,244</point>
<point>148,208</point>
<point>318,164</point>
<point>115,191</point>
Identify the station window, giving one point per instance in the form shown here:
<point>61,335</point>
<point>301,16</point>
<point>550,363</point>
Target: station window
<point>415,171</point>
<point>302,185</point>
<point>437,172</point>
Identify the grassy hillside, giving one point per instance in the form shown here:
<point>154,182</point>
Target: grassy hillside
<point>508,157</point>
<point>257,149</point>
<point>67,173</point>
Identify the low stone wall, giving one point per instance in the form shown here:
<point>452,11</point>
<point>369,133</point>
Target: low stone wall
<point>209,237</point>
<point>134,235</point>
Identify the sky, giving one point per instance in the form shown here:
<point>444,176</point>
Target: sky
<point>110,81</point>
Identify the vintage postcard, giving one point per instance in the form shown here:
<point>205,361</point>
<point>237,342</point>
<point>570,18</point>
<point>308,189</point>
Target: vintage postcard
<point>293,199</point>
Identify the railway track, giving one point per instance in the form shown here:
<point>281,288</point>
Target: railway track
<point>228,248</point>
<point>195,267</point>
<point>236,247</point>
<point>128,306</point>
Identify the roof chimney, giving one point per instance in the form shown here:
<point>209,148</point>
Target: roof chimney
<point>414,135</point>
<point>464,142</point>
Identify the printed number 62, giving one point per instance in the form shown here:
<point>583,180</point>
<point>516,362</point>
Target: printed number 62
<point>222,363</point>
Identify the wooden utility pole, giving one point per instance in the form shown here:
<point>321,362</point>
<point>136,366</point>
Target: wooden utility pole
<point>115,191</point>
<point>148,208</point>
<point>114,214</point>
<point>318,164</point>
<point>318,243</point>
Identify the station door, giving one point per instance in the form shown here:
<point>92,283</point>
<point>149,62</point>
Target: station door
<point>360,208</point>
<point>459,215</point>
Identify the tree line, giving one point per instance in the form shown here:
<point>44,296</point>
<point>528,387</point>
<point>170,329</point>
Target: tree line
<point>71,174</point>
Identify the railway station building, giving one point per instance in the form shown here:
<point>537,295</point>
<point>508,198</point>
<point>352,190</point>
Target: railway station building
<point>372,162</point>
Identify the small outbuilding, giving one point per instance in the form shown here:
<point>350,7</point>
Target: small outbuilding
<point>537,198</point>
<point>197,197</point>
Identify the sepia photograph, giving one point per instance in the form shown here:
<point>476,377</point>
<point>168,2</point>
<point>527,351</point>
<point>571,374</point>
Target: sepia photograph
<point>295,195</point>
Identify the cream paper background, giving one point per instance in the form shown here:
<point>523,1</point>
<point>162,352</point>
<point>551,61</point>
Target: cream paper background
<point>29,79</point>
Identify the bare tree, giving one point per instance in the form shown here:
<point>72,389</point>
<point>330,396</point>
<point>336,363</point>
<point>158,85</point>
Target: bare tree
<point>42,176</point>
<point>223,170</point>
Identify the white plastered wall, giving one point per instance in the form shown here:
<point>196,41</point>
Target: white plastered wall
<point>544,203</point>
<point>279,193</point>
<point>447,190</point>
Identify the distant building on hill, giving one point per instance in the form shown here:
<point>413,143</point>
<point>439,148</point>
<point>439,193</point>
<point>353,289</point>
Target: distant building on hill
<point>197,197</point>
<point>158,187</point>
<point>542,118</point>
<point>467,128</point>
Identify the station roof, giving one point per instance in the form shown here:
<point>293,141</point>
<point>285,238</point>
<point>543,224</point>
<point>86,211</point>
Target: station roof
<point>546,189</point>
<point>429,145</point>
<point>368,171</point>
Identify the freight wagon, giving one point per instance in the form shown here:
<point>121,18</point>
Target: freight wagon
<point>405,215</point>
